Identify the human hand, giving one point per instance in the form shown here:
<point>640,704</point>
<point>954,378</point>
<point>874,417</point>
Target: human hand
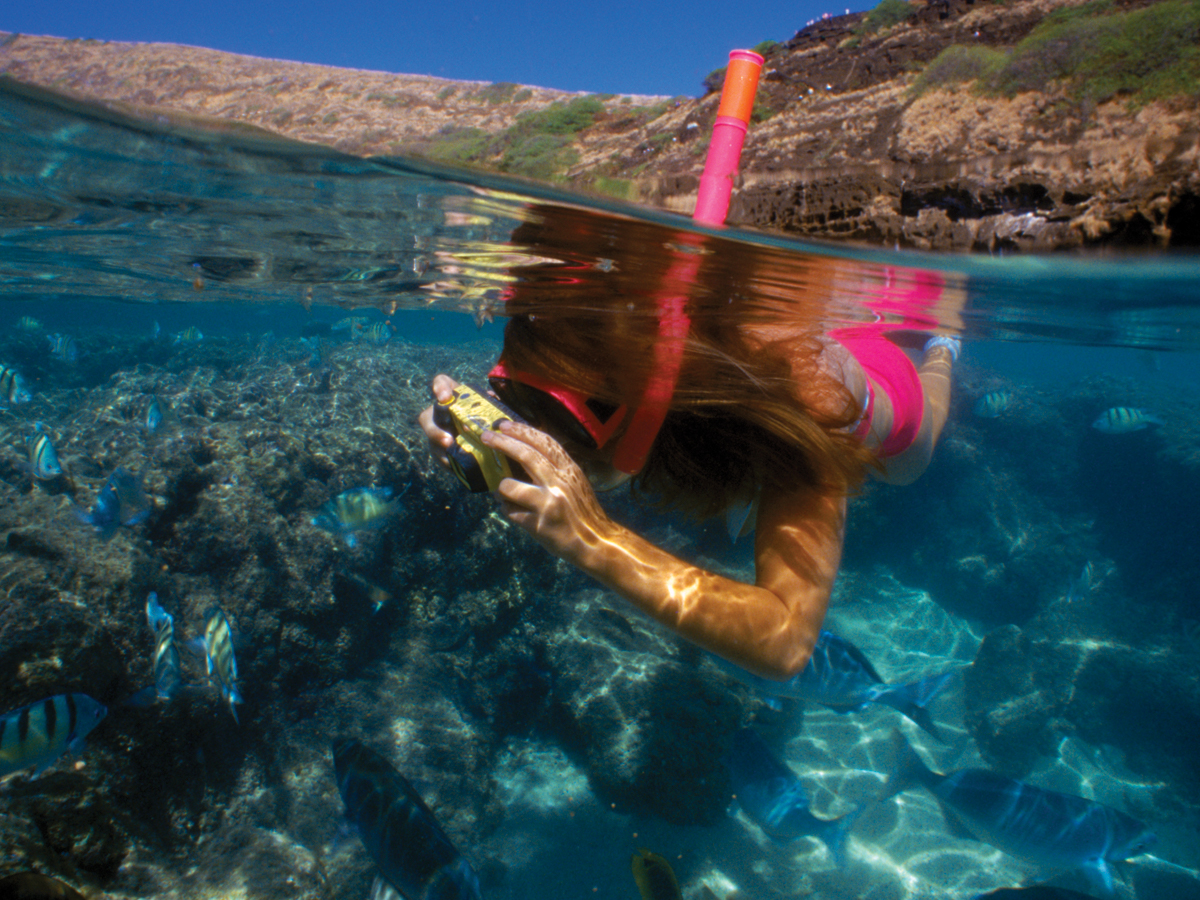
<point>557,504</point>
<point>440,440</point>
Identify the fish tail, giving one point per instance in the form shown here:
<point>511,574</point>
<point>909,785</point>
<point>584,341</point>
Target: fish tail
<point>910,770</point>
<point>911,700</point>
<point>836,833</point>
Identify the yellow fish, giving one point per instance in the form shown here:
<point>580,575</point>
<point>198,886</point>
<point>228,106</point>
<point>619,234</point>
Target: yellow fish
<point>654,876</point>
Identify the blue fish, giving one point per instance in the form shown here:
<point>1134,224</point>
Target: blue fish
<point>219,660</point>
<point>1049,829</point>
<point>358,509</point>
<point>63,347</point>
<point>120,502</point>
<point>771,795</point>
<point>840,676</point>
<point>43,461</point>
<point>401,834</point>
<point>38,734</point>
<point>1124,419</point>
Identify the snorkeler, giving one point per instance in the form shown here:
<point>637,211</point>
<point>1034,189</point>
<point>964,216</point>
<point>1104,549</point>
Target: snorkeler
<point>772,412</point>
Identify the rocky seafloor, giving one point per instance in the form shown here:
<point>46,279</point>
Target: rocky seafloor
<point>527,705</point>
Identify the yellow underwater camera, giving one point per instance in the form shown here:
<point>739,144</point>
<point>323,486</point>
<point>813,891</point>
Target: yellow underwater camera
<point>468,414</point>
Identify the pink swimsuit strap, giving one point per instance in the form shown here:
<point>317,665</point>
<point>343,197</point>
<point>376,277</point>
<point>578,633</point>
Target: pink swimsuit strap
<point>890,368</point>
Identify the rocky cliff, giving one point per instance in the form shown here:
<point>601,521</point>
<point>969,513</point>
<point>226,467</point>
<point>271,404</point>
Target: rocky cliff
<point>845,148</point>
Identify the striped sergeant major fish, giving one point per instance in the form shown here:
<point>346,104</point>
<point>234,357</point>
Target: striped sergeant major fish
<point>1124,419</point>
<point>400,833</point>
<point>1043,827</point>
<point>167,679</point>
<point>654,877</point>
<point>189,335</point>
<point>12,387</point>
<point>219,660</point>
<point>63,347</point>
<point>772,797</point>
<point>28,324</point>
<point>840,676</point>
<point>38,734</point>
<point>43,461</point>
<point>375,333</point>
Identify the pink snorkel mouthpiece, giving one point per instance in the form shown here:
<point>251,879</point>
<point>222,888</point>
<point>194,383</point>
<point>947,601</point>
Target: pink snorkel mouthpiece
<point>712,205</point>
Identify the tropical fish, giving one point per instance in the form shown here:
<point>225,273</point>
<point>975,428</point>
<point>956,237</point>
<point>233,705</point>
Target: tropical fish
<point>38,734</point>
<point>840,676</point>
<point>774,798</point>
<point>155,331</point>
<point>120,502</point>
<point>377,594</point>
<point>377,333</point>
<point>160,416</point>
<point>12,387</point>
<point>654,877</point>
<point>993,404</point>
<point>1081,586</point>
<point>357,509</point>
<point>63,347</point>
<point>28,324</point>
<point>401,834</point>
<point>34,886</point>
<point>219,660</point>
<point>167,679</point>
<point>1049,829</point>
<point>189,335</point>
<point>43,461</point>
<point>1124,419</point>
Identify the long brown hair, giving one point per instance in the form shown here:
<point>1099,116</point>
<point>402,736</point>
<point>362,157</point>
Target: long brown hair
<point>587,315</point>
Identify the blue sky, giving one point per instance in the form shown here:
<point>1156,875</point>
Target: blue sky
<point>580,45</point>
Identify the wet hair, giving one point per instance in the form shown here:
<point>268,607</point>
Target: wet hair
<point>586,315</point>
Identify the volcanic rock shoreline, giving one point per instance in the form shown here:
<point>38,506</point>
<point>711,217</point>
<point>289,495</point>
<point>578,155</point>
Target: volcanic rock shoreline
<point>846,152</point>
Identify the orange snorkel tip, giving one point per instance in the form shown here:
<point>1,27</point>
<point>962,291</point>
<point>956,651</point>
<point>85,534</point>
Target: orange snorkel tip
<point>712,205</point>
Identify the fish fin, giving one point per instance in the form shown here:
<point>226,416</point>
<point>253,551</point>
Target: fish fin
<point>911,700</point>
<point>381,889</point>
<point>737,515</point>
<point>772,703</point>
<point>836,833</point>
<point>828,638</point>
<point>1099,876</point>
<point>910,769</point>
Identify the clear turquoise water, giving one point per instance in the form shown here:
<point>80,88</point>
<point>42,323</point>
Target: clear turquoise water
<point>109,225</point>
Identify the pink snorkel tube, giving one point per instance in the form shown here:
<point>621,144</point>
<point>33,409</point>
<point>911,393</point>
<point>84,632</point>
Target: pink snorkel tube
<point>712,204</point>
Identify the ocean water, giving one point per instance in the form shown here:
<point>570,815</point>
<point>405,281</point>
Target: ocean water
<point>550,729</point>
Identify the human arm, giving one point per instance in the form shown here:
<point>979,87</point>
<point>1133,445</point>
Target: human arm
<point>768,628</point>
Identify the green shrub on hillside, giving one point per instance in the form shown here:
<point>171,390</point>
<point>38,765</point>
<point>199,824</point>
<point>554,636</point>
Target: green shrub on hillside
<point>459,146</point>
<point>1147,53</point>
<point>957,64</point>
<point>561,118</point>
<point>886,15</point>
<point>541,156</point>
